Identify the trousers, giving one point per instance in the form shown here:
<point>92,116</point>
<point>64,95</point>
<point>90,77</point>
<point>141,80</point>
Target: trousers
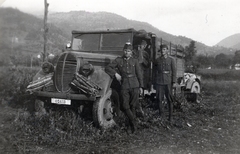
<point>164,90</point>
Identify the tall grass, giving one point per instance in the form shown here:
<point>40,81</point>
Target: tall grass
<point>14,82</point>
<point>216,87</point>
<point>65,129</point>
<point>59,128</point>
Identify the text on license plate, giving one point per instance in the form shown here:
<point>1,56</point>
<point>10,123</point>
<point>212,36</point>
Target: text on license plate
<point>61,101</point>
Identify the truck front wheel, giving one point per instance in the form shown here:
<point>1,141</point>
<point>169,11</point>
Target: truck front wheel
<point>104,112</point>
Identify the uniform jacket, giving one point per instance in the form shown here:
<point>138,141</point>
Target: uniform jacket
<point>143,58</point>
<point>144,63</point>
<point>165,71</point>
<point>129,70</point>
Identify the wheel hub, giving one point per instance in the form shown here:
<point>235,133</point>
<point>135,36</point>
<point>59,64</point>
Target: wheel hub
<point>108,110</point>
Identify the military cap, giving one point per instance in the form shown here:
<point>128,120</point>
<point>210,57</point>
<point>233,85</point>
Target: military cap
<point>49,66</point>
<point>87,66</point>
<point>86,69</point>
<point>163,46</point>
<point>128,45</point>
<point>144,42</point>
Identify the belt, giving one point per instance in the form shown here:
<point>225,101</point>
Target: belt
<point>166,72</point>
<point>129,76</point>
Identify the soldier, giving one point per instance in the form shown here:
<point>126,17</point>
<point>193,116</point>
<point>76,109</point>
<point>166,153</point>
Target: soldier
<point>143,58</point>
<point>144,63</point>
<point>165,76</point>
<point>142,55</point>
<point>130,78</point>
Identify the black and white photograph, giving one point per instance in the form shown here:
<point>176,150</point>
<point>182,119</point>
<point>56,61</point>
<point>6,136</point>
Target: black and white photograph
<point>119,77</point>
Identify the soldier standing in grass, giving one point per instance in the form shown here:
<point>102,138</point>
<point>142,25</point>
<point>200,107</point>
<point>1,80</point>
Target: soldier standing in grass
<point>131,81</point>
<point>165,76</point>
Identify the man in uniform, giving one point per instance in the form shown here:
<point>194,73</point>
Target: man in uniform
<point>131,81</point>
<point>165,76</point>
<point>142,56</point>
<point>144,62</point>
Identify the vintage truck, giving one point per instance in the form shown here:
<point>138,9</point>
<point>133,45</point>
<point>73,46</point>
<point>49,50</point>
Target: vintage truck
<point>97,49</point>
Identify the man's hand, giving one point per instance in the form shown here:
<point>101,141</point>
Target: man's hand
<point>118,77</point>
<point>174,85</point>
<point>141,91</point>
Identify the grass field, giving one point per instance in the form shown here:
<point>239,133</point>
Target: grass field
<point>219,74</point>
<point>211,126</point>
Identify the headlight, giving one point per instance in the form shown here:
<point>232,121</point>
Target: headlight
<point>68,45</point>
<point>47,67</point>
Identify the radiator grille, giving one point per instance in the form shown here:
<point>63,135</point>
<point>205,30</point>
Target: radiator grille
<point>65,69</point>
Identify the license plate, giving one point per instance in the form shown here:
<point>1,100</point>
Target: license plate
<point>61,101</point>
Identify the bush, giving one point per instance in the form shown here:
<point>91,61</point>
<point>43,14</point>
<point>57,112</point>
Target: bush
<point>13,84</point>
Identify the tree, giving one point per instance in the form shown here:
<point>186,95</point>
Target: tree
<point>190,53</point>
<point>236,58</point>
<point>222,61</point>
<point>205,61</point>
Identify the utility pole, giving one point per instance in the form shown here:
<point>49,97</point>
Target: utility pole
<point>45,28</point>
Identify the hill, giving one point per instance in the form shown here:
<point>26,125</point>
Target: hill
<point>21,34</point>
<point>232,41</point>
<point>82,20</point>
<point>20,31</point>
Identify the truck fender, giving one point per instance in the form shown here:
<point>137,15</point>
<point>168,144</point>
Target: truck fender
<point>101,78</point>
<point>190,79</point>
<point>189,83</point>
<point>193,86</point>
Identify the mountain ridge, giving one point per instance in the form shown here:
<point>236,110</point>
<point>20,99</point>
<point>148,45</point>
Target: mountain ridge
<point>21,37</point>
<point>62,23</point>
<point>106,20</point>
<point>232,41</point>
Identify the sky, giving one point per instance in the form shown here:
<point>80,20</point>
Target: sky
<point>205,21</point>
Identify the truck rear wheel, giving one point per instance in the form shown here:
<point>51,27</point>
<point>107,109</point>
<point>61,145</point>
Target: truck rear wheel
<point>104,112</point>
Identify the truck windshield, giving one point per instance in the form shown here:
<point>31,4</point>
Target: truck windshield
<point>100,41</point>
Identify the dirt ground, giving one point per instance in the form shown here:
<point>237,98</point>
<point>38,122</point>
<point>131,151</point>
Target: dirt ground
<point>211,126</point>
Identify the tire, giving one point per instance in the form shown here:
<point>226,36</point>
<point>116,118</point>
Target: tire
<point>195,88</point>
<point>103,111</point>
<point>192,94</point>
